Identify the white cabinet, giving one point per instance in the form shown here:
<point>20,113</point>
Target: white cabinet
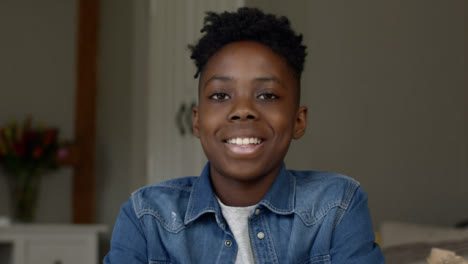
<point>49,244</point>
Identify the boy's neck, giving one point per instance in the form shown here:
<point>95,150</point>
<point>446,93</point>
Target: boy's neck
<point>242,193</point>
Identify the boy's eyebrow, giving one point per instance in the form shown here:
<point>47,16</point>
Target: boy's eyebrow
<point>219,78</point>
<point>230,78</point>
<point>268,79</point>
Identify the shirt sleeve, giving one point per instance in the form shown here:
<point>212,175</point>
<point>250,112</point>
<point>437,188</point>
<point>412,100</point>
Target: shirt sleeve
<point>353,238</point>
<point>128,243</point>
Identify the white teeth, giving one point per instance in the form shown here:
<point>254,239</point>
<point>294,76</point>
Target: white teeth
<point>244,141</point>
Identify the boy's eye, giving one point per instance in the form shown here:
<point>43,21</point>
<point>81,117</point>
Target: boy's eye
<point>267,96</point>
<point>220,96</point>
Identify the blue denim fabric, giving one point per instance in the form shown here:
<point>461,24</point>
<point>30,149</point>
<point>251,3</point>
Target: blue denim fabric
<point>305,217</point>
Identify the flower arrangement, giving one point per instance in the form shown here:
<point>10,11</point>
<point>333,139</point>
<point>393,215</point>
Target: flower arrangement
<point>29,148</point>
<point>27,152</point>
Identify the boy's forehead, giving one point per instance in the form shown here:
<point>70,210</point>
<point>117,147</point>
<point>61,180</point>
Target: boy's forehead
<point>264,64</point>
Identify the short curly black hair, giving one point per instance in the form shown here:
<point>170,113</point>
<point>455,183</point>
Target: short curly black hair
<point>253,25</point>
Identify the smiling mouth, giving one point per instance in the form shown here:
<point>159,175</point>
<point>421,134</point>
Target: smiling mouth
<point>244,141</point>
<point>246,147</point>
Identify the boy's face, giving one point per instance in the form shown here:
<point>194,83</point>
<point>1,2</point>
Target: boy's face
<point>248,111</point>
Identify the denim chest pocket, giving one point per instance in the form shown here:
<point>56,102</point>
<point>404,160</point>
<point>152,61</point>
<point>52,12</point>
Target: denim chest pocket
<point>322,259</point>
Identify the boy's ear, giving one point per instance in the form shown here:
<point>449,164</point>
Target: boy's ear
<point>196,130</point>
<point>300,123</point>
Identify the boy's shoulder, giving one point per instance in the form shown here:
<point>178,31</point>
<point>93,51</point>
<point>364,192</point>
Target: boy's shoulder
<point>168,196</point>
<point>181,184</point>
<point>317,192</point>
<point>321,181</point>
<point>174,186</point>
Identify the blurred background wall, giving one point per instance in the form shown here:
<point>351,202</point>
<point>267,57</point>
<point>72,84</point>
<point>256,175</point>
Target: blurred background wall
<point>385,83</point>
<point>37,78</point>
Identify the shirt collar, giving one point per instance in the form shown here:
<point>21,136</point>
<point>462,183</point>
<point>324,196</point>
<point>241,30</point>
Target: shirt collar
<point>279,198</point>
<point>202,198</point>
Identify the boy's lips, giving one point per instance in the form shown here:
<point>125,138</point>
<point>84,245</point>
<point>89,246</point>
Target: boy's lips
<point>244,145</point>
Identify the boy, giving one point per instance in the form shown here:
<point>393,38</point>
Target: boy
<point>246,207</point>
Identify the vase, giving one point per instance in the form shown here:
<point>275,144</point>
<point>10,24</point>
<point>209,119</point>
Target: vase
<point>24,190</point>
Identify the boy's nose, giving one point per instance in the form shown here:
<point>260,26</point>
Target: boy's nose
<point>243,111</point>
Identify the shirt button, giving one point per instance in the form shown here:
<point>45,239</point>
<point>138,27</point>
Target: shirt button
<point>257,211</point>
<point>261,235</point>
<point>228,243</point>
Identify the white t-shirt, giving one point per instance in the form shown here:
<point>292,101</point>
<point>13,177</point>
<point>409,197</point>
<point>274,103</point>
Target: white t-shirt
<point>237,218</point>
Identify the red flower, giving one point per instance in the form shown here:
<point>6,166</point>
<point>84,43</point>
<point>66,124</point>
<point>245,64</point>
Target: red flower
<point>37,153</point>
<point>50,136</point>
<point>20,149</point>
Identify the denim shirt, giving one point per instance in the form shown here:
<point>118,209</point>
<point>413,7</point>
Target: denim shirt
<point>305,217</point>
